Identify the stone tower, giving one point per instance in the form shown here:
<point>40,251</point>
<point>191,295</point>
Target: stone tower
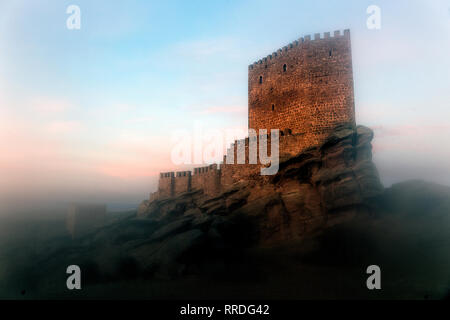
<point>306,86</point>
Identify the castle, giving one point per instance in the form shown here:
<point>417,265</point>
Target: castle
<point>304,89</point>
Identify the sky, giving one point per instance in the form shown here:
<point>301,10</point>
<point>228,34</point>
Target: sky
<point>87,115</point>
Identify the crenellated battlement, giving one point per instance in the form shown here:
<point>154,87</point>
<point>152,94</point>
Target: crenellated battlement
<point>202,178</point>
<point>203,170</point>
<point>180,174</point>
<point>232,151</point>
<point>299,43</point>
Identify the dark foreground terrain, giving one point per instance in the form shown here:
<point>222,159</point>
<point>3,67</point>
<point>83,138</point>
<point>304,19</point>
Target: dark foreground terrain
<point>308,233</point>
<point>409,240</point>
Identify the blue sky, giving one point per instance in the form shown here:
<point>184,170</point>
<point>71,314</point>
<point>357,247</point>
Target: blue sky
<point>93,107</point>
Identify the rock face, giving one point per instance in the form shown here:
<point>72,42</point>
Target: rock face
<point>285,236</point>
<point>197,233</point>
<point>324,213</point>
<point>312,190</point>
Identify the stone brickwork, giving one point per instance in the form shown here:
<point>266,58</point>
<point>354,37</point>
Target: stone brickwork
<point>306,86</point>
<point>289,145</point>
<point>182,182</point>
<point>207,179</point>
<point>304,90</point>
<point>166,184</point>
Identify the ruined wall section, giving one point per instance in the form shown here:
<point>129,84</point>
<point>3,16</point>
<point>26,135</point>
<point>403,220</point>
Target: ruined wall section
<point>83,218</point>
<point>307,87</point>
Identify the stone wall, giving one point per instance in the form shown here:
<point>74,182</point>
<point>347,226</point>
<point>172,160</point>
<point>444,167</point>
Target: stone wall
<point>213,180</point>
<point>83,218</point>
<point>289,145</point>
<point>182,182</point>
<point>207,179</point>
<point>166,184</point>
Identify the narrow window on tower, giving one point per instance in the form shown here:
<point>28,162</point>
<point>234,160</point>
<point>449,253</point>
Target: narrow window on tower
<point>331,53</point>
<point>273,107</point>
<point>284,68</point>
<point>260,79</point>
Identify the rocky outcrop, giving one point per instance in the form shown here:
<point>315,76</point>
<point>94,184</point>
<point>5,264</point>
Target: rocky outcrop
<point>194,233</point>
<point>311,191</point>
<point>283,236</point>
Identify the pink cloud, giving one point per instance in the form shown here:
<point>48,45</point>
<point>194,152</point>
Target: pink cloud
<point>133,155</point>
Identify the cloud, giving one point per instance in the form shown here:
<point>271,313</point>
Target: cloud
<point>134,154</point>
